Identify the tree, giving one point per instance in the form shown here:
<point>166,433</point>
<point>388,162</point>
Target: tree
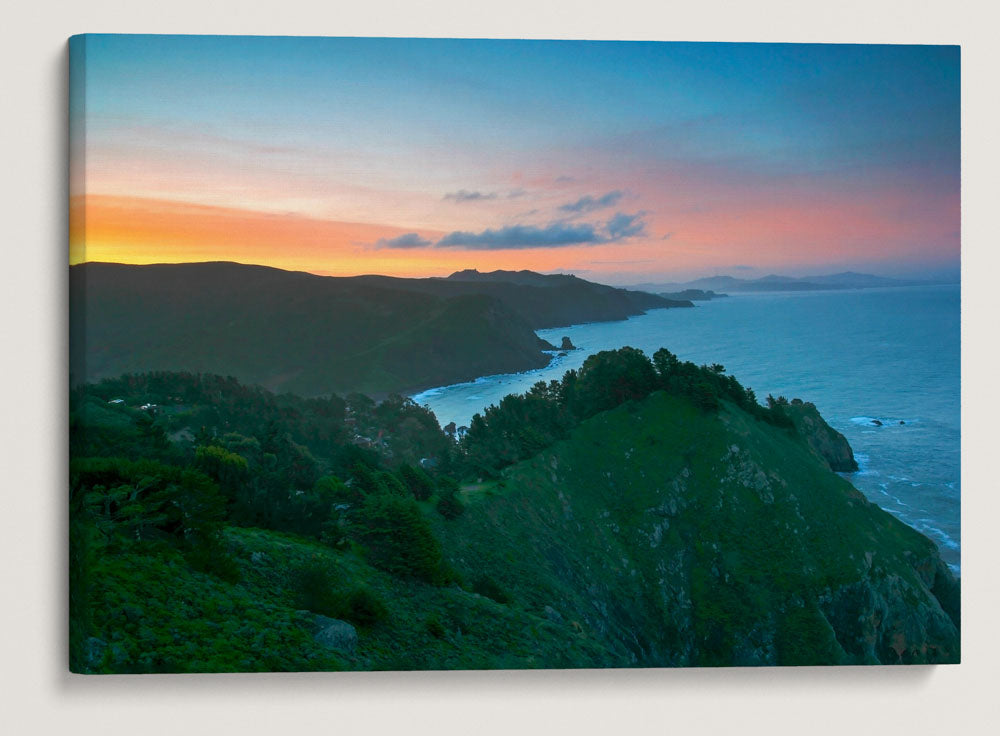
<point>449,505</point>
<point>227,468</point>
<point>611,377</point>
<point>417,481</point>
<point>398,539</point>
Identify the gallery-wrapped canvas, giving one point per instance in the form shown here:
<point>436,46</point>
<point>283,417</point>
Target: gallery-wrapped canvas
<point>401,354</point>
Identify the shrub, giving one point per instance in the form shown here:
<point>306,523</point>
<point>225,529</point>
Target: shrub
<point>449,506</point>
<point>434,626</point>
<point>417,481</point>
<point>486,586</point>
<point>398,539</point>
<point>364,607</point>
<point>315,589</point>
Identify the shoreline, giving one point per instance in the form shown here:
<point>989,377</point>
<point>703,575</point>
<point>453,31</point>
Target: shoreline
<point>931,497</point>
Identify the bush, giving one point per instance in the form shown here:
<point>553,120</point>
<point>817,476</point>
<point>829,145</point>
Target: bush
<point>417,481</point>
<point>398,539</point>
<point>449,506</point>
<point>486,586</point>
<point>364,607</point>
<point>434,626</point>
<point>315,589</point>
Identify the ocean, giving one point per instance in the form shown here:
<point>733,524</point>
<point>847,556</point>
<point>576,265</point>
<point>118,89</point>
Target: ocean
<point>891,355</point>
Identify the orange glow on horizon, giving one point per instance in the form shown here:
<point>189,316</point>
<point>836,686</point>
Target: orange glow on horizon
<point>767,233</point>
<point>139,230</point>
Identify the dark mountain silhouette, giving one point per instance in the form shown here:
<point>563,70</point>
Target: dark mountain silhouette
<point>294,331</point>
<point>542,300</point>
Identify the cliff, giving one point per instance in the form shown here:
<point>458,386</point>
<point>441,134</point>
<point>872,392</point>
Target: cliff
<point>830,444</point>
<point>656,533</point>
<point>677,538</point>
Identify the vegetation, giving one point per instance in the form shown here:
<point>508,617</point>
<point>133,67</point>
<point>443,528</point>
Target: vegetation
<point>314,335</point>
<point>521,425</point>
<point>220,527</point>
<point>682,537</point>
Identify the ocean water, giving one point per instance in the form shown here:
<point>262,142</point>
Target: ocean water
<point>891,355</point>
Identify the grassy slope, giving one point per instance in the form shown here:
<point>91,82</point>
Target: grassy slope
<point>673,542</point>
<point>644,539</point>
<point>153,613</point>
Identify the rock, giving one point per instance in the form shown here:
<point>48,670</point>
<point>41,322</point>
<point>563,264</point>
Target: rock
<point>831,445</point>
<point>876,422</point>
<point>335,634</point>
<point>567,344</point>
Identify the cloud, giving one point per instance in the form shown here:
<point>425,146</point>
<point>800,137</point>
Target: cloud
<point>554,235</point>
<point>464,195</point>
<point>408,240</point>
<point>589,204</point>
<point>625,226</point>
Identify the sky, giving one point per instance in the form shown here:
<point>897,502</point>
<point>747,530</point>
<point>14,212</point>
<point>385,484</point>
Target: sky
<point>621,162</point>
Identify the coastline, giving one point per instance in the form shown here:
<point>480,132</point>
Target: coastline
<point>912,471</point>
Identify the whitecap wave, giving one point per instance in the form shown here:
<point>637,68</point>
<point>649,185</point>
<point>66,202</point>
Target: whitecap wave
<point>881,422</point>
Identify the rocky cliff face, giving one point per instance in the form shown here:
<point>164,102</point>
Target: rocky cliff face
<point>831,445</point>
<point>674,537</point>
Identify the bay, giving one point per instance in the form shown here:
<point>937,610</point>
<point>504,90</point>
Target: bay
<point>891,355</point>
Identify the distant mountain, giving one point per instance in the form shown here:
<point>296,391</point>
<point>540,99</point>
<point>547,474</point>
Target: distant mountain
<point>313,335</point>
<point>521,278</point>
<point>694,295</point>
<point>853,280</point>
<point>775,282</point>
<point>543,301</point>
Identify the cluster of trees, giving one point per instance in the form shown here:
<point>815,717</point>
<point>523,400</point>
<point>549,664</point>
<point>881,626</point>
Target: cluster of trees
<point>256,460</point>
<point>340,470</point>
<point>337,470</point>
<point>159,474</point>
<point>521,425</point>
<point>329,427</point>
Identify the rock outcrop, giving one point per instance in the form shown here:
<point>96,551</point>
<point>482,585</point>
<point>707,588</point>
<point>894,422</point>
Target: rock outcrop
<point>335,634</point>
<point>831,445</point>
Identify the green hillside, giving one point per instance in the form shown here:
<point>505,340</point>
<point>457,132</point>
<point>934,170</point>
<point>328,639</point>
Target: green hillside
<point>638,513</point>
<point>678,537</point>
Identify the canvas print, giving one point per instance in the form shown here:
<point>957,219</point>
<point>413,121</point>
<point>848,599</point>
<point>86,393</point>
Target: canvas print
<point>410,354</point>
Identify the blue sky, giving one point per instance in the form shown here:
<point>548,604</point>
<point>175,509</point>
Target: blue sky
<point>388,133</point>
